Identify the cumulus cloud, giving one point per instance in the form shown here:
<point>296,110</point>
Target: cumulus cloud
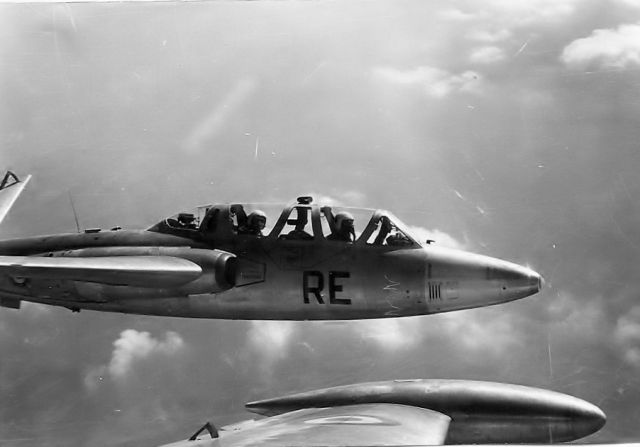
<point>577,315</point>
<point>133,345</point>
<point>487,55</point>
<point>530,12</point>
<point>490,36</point>
<point>213,124</point>
<point>501,21</point>
<point>391,334</point>
<point>474,332</point>
<point>435,82</point>
<point>130,348</point>
<point>270,342</point>
<point>511,13</point>
<point>470,332</point>
<point>617,48</point>
<point>533,11</point>
<point>627,336</point>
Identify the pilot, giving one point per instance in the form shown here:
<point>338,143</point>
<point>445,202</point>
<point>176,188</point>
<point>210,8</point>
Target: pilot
<point>344,230</point>
<point>256,221</point>
<point>398,240</point>
<point>298,233</point>
<point>187,220</point>
<point>385,229</point>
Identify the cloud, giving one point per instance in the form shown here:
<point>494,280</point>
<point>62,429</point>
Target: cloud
<point>487,36</point>
<point>487,55</point>
<point>354,198</point>
<point>511,13</point>
<point>503,21</point>
<point>610,48</point>
<point>474,333</point>
<point>530,12</point>
<point>391,334</point>
<point>348,198</point>
<point>464,331</point>
<point>628,3</point>
<point>455,15</point>
<point>627,336</point>
<point>435,82</point>
<point>132,347</point>
<point>270,342</point>
<point>212,125</point>
<point>576,315</point>
<point>534,11</point>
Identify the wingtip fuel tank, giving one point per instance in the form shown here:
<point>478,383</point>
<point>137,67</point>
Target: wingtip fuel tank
<point>480,412</point>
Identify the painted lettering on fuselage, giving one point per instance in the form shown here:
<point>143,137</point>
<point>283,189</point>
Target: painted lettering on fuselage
<point>313,285</point>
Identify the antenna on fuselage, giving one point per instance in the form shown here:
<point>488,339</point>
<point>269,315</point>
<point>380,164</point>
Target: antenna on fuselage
<point>75,215</point>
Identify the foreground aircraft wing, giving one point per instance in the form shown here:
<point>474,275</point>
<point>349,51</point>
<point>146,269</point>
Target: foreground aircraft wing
<point>162,271</point>
<point>351,425</point>
<point>10,189</point>
<point>410,413</point>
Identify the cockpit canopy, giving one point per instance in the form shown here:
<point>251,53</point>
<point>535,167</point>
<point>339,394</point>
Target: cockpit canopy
<point>301,221</point>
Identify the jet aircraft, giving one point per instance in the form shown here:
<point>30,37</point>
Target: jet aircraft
<point>410,413</point>
<point>223,261</point>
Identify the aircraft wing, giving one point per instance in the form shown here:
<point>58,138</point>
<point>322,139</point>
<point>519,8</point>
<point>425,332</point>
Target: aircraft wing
<point>10,189</point>
<point>351,425</point>
<point>411,413</point>
<point>161,271</point>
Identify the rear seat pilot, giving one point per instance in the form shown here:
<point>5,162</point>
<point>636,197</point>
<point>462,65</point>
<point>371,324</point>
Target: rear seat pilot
<point>256,222</point>
<point>344,230</point>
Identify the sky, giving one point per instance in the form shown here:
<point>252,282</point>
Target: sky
<point>507,128</point>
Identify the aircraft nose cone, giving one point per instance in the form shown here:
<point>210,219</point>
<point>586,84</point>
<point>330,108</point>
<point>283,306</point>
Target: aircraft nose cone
<point>517,281</point>
<point>458,279</point>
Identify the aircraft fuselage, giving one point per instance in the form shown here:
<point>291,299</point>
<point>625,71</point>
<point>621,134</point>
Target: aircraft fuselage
<point>270,278</point>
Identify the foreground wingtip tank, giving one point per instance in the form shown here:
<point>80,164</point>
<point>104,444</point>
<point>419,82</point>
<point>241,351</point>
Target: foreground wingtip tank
<point>480,412</point>
<point>412,412</point>
<point>213,264</point>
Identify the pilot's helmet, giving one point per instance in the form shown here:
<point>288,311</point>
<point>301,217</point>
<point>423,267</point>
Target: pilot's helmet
<point>257,219</point>
<point>186,218</point>
<point>344,221</point>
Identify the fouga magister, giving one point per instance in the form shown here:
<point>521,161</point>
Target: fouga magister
<point>237,261</point>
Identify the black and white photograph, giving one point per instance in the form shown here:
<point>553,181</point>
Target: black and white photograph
<point>319,223</point>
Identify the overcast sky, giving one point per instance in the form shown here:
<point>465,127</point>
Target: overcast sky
<point>506,128</point>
